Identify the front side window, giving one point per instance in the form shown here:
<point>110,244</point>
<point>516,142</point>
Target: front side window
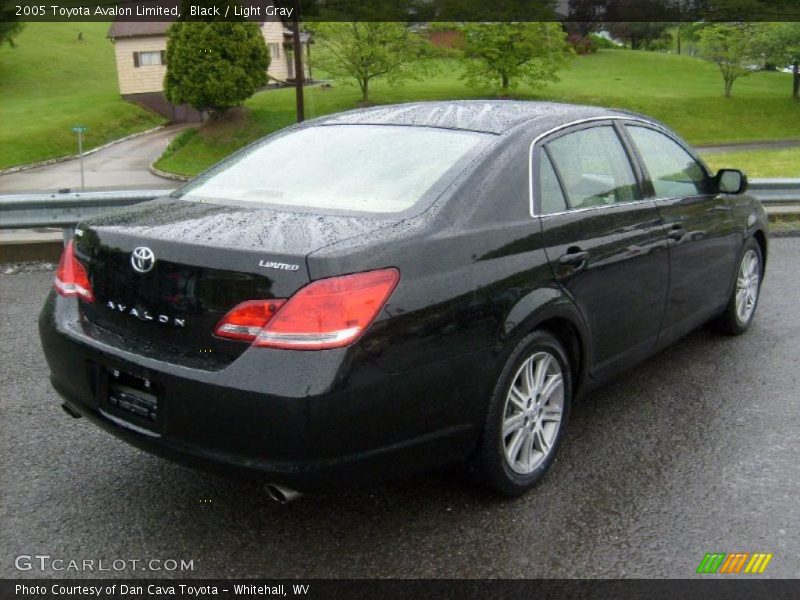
<point>673,171</point>
<point>594,168</point>
<point>370,168</point>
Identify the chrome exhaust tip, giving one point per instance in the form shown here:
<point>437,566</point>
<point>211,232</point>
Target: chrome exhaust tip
<point>281,494</point>
<point>70,411</point>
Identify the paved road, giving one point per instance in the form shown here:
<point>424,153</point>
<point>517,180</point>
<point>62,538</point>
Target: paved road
<point>121,165</point>
<point>695,451</point>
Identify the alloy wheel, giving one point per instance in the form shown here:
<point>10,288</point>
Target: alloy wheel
<point>533,411</point>
<point>747,283</point>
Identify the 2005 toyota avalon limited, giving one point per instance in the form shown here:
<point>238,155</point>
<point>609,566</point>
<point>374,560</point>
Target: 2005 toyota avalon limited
<point>399,288</point>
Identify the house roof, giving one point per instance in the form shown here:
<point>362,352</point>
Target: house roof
<point>124,29</point>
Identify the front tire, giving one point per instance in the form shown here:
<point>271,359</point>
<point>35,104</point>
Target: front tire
<point>743,302</point>
<point>526,418</point>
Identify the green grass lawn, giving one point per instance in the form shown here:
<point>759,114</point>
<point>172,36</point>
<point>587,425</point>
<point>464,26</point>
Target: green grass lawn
<point>50,82</point>
<point>684,92</point>
<point>758,163</point>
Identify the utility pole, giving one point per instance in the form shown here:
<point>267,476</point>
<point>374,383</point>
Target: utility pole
<point>299,74</point>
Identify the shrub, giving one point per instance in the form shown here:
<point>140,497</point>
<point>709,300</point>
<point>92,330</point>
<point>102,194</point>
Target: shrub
<point>582,45</point>
<point>603,43</point>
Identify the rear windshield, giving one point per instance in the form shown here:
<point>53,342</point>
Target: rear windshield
<point>371,168</point>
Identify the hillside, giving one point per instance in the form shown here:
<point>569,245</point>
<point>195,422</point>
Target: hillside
<point>684,92</point>
<point>52,81</point>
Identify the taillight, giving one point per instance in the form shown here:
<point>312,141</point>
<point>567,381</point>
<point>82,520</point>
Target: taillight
<point>247,319</point>
<point>328,313</point>
<point>71,277</point>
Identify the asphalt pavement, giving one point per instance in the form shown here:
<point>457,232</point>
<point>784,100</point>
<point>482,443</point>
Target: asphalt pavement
<point>695,451</point>
<point>125,164</point>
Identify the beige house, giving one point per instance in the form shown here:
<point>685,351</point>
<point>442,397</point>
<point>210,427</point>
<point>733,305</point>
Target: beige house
<point>140,49</point>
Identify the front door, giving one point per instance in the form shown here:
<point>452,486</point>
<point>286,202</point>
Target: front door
<point>702,234</point>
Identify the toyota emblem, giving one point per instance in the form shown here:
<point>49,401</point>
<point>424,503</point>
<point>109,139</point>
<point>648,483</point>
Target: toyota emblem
<point>142,259</point>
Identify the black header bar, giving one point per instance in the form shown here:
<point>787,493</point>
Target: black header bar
<point>411,11</point>
<point>732,588</point>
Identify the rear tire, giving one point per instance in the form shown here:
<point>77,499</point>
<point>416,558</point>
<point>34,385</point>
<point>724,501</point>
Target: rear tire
<point>527,417</point>
<point>741,308</point>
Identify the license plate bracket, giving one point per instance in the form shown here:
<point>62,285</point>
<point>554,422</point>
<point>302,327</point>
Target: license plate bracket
<point>131,398</point>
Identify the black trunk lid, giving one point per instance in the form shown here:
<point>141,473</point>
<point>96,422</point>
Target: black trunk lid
<point>207,259</point>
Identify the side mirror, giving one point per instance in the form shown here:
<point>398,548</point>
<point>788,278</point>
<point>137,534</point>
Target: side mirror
<point>731,181</point>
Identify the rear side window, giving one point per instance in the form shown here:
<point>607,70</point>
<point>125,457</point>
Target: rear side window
<point>594,168</point>
<point>551,198</point>
<point>369,168</point>
<point>673,171</point>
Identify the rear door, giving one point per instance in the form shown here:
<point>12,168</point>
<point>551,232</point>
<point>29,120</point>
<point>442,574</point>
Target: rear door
<point>702,234</point>
<point>606,243</point>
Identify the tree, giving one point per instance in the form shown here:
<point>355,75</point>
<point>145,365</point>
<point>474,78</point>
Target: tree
<point>510,52</point>
<point>640,35</point>
<point>640,23</point>
<point>214,66</point>
<point>583,16</point>
<point>687,36</point>
<point>496,11</point>
<point>9,25</point>
<point>367,50</point>
<point>736,10</point>
<point>732,47</point>
<point>780,42</point>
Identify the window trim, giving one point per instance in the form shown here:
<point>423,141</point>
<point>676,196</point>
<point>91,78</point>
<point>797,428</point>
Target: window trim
<point>630,150</point>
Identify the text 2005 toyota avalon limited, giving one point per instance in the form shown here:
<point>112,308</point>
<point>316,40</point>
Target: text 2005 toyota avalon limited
<point>399,288</point>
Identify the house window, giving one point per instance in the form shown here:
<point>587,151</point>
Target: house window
<point>149,59</point>
<point>275,50</point>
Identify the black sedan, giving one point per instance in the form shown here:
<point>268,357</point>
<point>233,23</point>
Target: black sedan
<point>399,288</point>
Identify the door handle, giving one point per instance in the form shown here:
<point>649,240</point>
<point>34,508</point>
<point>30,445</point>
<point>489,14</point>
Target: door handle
<point>575,257</point>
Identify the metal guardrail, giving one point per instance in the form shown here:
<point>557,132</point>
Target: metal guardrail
<point>27,210</point>
<point>36,209</point>
<point>776,191</point>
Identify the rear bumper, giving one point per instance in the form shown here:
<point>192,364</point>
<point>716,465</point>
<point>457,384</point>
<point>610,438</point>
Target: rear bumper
<point>308,420</point>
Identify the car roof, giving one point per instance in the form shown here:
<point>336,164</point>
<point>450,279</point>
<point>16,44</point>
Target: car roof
<point>487,116</point>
